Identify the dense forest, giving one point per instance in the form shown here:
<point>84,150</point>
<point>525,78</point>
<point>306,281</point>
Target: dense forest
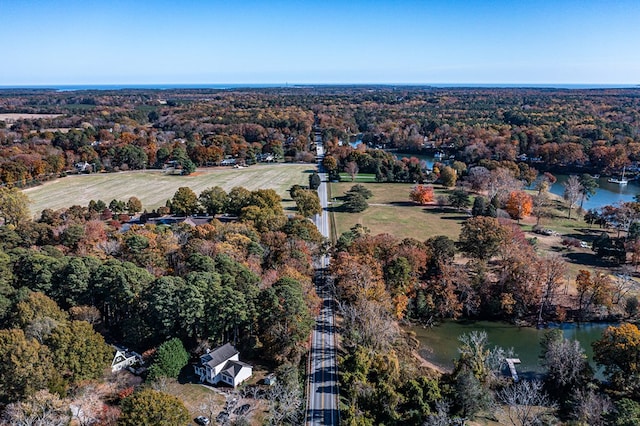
<point>76,271</point>
<point>75,279</point>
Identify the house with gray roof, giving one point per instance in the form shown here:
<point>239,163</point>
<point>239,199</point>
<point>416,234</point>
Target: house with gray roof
<point>223,365</point>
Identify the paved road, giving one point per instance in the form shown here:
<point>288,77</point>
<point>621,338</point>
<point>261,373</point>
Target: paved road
<point>322,388</point>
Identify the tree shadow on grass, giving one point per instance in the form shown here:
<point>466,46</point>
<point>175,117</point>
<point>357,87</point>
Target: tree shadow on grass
<point>448,214</point>
<point>586,259</point>
<point>403,203</point>
<point>438,210</point>
<point>581,236</point>
<point>459,218</point>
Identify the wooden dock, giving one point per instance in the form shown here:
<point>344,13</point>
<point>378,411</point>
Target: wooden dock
<point>511,362</point>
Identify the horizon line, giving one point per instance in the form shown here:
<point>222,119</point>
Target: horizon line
<point>293,85</point>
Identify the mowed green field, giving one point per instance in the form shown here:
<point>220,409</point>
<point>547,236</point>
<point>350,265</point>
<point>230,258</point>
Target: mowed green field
<point>391,212</point>
<point>153,187</point>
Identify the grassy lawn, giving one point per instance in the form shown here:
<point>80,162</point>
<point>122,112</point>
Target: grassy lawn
<point>360,177</point>
<point>193,395</point>
<point>390,211</point>
<point>153,187</point>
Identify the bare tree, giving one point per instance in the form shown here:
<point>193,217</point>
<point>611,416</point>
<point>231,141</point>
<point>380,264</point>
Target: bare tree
<point>572,191</point>
<point>87,407</point>
<point>566,362</point>
<point>501,183</point>
<point>524,403</point>
<point>369,324</point>
<point>41,328</point>
<point>41,409</point>
<point>109,247</point>
<point>552,270</point>
<point>478,178</point>
<point>441,416</point>
<point>621,285</point>
<point>285,405</point>
<point>485,363</point>
<point>541,207</point>
<point>352,169</point>
<point>209,406</point>
<point>591,407</point>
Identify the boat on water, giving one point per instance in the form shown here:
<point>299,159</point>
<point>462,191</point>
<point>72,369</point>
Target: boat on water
<point>621,181</point>
<point>439,155</point>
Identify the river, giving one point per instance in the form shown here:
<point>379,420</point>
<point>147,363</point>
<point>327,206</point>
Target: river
<point>606,194</point>
<point>439,344</point>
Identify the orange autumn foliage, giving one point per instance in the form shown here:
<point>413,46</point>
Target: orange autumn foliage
<point>422,194</point>
<point>519,205</point>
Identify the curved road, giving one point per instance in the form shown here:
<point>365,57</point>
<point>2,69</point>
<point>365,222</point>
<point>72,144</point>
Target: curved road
<point>322,379</point>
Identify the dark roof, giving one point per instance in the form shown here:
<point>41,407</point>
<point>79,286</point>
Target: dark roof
<point>232,368</point>
<point>197,221</point>
<point>219,355</point>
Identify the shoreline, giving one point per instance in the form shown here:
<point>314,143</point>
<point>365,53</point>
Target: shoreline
<point>426,363</point>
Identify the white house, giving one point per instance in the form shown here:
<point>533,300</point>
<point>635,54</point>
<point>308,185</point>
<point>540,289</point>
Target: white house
<point>223,365</point>
<point>123,359</point>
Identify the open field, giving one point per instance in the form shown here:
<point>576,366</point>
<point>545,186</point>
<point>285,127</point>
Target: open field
<point>153,187</point>
<point>390,211</point>
<point>19,116</point>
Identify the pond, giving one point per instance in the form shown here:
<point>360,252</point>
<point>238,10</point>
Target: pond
<point>439,344</point>
<point>607,193</point>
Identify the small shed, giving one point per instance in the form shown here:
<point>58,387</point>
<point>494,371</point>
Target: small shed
<point>270,379</point>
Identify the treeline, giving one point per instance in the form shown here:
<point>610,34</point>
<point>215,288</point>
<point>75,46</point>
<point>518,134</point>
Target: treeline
<point>121,130</point>
<point>593,129</point>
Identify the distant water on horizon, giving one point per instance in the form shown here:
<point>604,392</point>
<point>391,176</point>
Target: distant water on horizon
<point>80,87</point>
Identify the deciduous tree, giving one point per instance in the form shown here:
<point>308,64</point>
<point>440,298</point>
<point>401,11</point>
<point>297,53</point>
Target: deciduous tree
<point>481,237</point>
<point>519,205</point>
<point>134,205</point>
<point>238,198</point>
<point>619,352</point>
<point>422,194</point>
<point>27,366</point>
<point>308,203</point>
<point>572,191</point>
<point>148,407</point>
<point>351,168</point>
<point>448,176</point>
<point>592,291</point>
<point>213,200</point>
<point>184,202</point>
<point>79,353</point>
<point>14,205</point>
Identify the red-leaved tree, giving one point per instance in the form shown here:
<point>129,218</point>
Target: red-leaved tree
<point>422,194</point>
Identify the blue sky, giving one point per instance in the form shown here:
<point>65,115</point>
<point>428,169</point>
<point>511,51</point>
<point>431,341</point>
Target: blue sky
<point>189,42</point>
